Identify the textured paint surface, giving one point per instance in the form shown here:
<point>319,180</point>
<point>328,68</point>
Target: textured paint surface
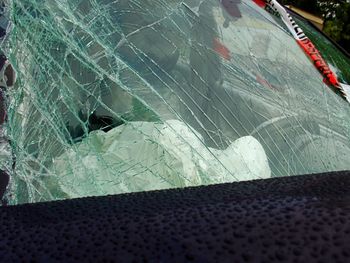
<point>291,219</point>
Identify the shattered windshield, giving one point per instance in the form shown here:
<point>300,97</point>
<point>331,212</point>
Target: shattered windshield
<point>338,61</point>
<point>136,95</point>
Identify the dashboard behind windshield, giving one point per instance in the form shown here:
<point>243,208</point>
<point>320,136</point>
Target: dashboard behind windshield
<point>125,96</point>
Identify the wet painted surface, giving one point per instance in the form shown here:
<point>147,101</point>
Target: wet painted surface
<point>291,219</point>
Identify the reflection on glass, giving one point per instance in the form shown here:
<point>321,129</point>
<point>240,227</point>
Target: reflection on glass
<point>131,95</point>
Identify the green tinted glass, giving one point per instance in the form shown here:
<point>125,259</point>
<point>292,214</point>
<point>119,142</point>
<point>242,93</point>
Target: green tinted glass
<point>137,95</point>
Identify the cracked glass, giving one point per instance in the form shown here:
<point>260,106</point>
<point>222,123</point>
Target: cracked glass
<point>136,95</point>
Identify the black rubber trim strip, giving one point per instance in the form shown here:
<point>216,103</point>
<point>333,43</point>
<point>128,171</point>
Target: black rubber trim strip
<point>291,219</point>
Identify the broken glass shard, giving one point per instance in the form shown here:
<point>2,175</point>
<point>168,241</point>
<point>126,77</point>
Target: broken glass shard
<point>130,95</point>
